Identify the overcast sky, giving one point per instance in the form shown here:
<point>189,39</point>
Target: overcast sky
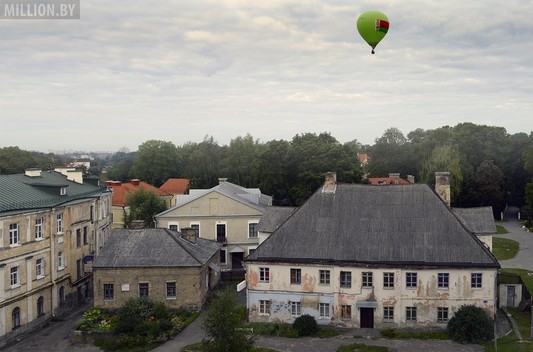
<point>130,71</point>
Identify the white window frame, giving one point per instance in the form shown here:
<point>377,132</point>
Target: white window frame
<point>109,291</point>
<point>388,314</point>
<point>177,224</point>
<point>63,191</point>
<point>296,309</point>
<point>264,274</point>
<point>367,278</point>
<point>59,223</point>
<point>14,235</point>
<point>264,307</point>
<point>175,295</point>
<point>14,277</point>
<point>254,222</point>
<point>61,260</point>
<point>324,277</point>
<point>442,315</point>
<point>296,276</point>
<point>39,268</point>
<point>345,279</point>
<point>388,280</point>
<point>410,315</point>
<point>324,310</point>
<point>476,280</point>
<point>409,276</point>
<point>39,229</point>
<point>196,224</point>
<point>443,280</point>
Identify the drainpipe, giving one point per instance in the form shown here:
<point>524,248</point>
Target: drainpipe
<point>53,272</point>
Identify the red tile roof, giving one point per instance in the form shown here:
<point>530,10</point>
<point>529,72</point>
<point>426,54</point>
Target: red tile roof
<point>122,189</point>
<point>363,158</point>
<point>175,186</point>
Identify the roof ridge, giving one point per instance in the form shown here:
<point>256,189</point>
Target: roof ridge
<point>176,239</point>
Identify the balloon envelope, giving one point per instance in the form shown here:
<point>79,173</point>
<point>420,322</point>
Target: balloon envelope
<point>372,26</point>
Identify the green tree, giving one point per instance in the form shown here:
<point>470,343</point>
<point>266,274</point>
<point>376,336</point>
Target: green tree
<point>443,158</point>
<point>13,160</point>
<point>223,325</point>
<point>471,324</point>
<point>143,206</point>
<point>156,162</point>
<point>241,161</point>
<point>392,153</point>
<point>204,162</point>
<point>485,187</point>
<point>272,171</point>
<point>528,166</point>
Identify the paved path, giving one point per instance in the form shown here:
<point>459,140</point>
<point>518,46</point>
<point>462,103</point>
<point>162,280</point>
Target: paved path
<point>524,258</point>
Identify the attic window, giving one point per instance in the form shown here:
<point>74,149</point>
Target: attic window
<point>63,191</point>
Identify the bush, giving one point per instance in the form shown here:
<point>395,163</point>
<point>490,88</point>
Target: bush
<point>471,324</point>
<point>305,325</point>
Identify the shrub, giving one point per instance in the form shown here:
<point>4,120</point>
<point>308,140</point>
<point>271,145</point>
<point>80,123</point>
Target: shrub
<point>471,324</point>
<point>306,325</point>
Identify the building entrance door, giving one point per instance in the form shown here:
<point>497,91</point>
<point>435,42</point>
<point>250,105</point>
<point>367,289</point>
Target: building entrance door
<point>511,294</point>
<point>367,317</point>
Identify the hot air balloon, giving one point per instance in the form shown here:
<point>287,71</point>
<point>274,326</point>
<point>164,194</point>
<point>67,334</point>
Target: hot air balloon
<point>372,26</point>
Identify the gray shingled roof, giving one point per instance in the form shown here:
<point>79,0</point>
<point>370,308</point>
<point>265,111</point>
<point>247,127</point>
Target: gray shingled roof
<point>477,220</point>
<point>274,217</point>
<point>375,225</point>
<point>19,192</point>
<point>153,248</point>
<point>252,197</point>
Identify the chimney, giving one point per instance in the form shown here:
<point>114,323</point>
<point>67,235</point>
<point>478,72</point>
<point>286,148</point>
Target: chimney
<point>442,186</point>
<point>137,224</point>
<point>330,183</point>
<point>394,175</point>
<point>411,178</point>
<point>33,172</point>
<point>135,182</point>
<point>189,234</point>
<point>222,180</point>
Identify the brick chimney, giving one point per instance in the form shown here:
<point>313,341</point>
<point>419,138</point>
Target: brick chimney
<point>330,183</point>
<point>189,234</point>
<point>33,172</point>
<point>137,224</point>
<point>442,186</point>
<point>411,178</point>
<point>222,180</point>
<point>394,175</point>
<point>135,182</point>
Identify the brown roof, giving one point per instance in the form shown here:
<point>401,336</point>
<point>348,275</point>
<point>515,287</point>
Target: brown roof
<point>122,189</point>
<point>175,186</point>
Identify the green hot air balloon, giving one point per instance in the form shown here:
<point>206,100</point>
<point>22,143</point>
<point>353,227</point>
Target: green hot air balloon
<point>372,26</point>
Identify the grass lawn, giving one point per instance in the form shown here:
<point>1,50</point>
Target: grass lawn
<point>361,347</point>
<point>504,248</point>
<point>501,230</point>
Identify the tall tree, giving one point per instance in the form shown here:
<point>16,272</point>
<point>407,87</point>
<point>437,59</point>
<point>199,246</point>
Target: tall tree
<point>13,160</point>
<point>528,166</point>
<point>272,171</point>
<point>156,162</point>
<point>203,162</point>
<point>241,161</point>
<point>392,153</point>
<point>143,205</point>
<point>443,158</point>
<point>485,187</point>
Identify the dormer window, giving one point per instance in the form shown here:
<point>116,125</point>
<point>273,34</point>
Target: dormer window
<point>63,191</point>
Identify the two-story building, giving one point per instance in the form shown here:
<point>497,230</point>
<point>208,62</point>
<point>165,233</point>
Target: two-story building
<point>227,213</point>
<point>371,256</point>
<point>50,229</point>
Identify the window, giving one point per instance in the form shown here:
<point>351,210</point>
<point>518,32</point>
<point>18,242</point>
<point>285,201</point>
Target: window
<point>323,310</point>
<point>13,234</point>
<point>296,276</point>
<point>196,227</point>
<point>59,223</point>
<point>62,295</point>
<point>221,233</point>
<point>60,261</point>
<point>388,280</point>
<point>264,307</point>
<point>346,279</point>
<point>411,280</point>
<point>296,309</point>
<point>79,268</point>
<point>14,276</point>
<point>443,280</point>
<point>324,277</point>
<point>40,306</point>
<point>39,268</point>
<point>222,256</point>
<point>171,290</point>
<point>143,290</point>
<point>442,315</point>
<point>388,314</point>
<point>173,227</point>
<point>264,275</point>
<point>109,292</point>
<point>85,236</point>
<point>39,228</point>
<point>15,318</point>
<point>252,229</point>
<point>410,314</point>
<point>477,280</point>
<point>346,312</point>
<point>91,214</point>
<point>78,237</point>
<point>367,279</point>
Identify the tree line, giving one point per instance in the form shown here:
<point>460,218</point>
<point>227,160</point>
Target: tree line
<point>489,167</point>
